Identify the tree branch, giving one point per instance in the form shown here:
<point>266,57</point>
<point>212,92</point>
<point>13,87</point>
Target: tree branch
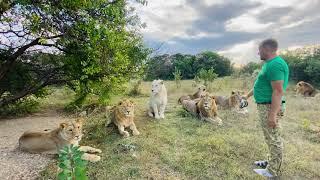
<point>11,59</point>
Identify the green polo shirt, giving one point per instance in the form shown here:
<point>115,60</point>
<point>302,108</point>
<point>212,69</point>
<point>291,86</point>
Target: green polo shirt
<point>272,70</point>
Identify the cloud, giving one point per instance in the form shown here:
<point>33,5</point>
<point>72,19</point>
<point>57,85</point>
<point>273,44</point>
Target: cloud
<point>251,24</point>
<point>229,26</point>
<point>242,53</point>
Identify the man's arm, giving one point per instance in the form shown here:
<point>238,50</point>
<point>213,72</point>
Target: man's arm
<point>277,93</point>
<point>250,93</point>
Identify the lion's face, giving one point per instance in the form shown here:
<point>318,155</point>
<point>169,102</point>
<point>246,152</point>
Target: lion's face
<point>126,107</point>
<point>156,86</point>
<point>202,89</point>
<point>236,96</point>
<point>207,102</point>
<point>299,85</point>
<point>72,130</point>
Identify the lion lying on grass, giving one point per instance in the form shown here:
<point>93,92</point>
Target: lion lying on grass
<point>201,90</point>
<point>204,108</point>
<point>232,102</point>
<point>122,116</point>
<point>305,89</point>
<point>52,141</point>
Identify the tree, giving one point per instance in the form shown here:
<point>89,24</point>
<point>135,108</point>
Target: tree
<point>91,45</point>
<point>177,77</point>
<point>159,67</point>
<point>185,63</point>
<point>207,76</point>
<point>207,60</point>
<point>304,67</point>
<point>250,68</point>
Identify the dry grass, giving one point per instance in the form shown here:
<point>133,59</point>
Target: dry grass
<point>182,147</point>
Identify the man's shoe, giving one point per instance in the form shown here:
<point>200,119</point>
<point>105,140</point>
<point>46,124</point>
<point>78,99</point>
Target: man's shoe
<point>263,172</point>
<point>262,164</point>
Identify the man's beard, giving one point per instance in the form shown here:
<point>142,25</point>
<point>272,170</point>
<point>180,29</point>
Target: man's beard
<point>263,58</point>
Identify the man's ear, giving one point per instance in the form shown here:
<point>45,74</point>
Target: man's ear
<point>63,125</point>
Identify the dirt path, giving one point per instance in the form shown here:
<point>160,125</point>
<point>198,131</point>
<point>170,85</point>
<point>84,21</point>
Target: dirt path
<point>15,164</point>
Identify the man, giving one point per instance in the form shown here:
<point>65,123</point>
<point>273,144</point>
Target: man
<point>268,92</point>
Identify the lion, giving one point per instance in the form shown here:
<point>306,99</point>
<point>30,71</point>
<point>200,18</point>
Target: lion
<point>201,90</point>
<point>231,102</point>
<point>50,142</point>
<point>305,89</point>
<point>204,108</point>
<point>122,116</point>
<point>158,100</point>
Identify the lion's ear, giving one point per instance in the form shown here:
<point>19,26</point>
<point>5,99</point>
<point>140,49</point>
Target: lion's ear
<point>161,81</point>
<point>63,125</point>
<point>79,120</point>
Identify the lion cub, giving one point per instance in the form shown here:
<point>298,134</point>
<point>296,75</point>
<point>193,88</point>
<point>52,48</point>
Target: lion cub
<point>122,116</point>
<point>51,142</point>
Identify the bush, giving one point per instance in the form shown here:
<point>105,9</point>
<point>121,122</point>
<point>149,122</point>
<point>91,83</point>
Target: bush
<point>72,167</point>
<point>163,66</point>
<point>21,107</point>
<point>135,91</point>
<point>177,77</point>
<point>304,67</point>
<point>208,76</point>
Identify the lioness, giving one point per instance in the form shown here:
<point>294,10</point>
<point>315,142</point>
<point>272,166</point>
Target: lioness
<point>51,142</point>
<point>231,102</point>
<point>204,107</point>
<point>122,116</point>
<point>201,90</point>
<point>305,89</point>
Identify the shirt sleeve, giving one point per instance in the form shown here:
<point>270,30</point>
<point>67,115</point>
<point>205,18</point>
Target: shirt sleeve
<point>276,72</point>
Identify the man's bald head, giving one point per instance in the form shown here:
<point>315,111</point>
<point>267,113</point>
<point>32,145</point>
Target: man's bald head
<point>268,49</point>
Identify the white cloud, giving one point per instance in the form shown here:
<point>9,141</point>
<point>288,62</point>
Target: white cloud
<point>200,35</point>
<point>166,20</point>
<point>278,3</point>
<point>242,53</point>
<point>246,23</point>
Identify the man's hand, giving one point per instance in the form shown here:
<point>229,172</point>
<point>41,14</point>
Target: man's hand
<point>272,121</point>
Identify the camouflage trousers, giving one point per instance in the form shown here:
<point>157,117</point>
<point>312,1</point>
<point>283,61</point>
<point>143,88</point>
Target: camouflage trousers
<point>273,139</point>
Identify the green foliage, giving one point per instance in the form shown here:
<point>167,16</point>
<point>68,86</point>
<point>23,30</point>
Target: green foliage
<point>72,167</point>
<point>177,77</point>
<point>208,76</point>
<point>164,66</point>
<point>21,107</point>
<point>136,90</point>
<point>97,48</point>
<point>304,67</point>
<point>250,68</point>
<point>306,124</point>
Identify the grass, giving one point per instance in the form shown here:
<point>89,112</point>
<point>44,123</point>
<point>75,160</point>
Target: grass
<point>182,147</point>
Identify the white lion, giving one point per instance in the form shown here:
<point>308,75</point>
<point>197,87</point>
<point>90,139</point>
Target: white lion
<point>158,99</point>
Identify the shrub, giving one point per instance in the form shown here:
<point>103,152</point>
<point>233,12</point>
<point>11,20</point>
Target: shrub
<point>208,76</point>
<point>177,77</point>
<point>72,167</point>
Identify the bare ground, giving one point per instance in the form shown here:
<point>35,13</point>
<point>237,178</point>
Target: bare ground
<point>20,165</point>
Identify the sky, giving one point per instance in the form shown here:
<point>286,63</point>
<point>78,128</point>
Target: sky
<point>232,28</point>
